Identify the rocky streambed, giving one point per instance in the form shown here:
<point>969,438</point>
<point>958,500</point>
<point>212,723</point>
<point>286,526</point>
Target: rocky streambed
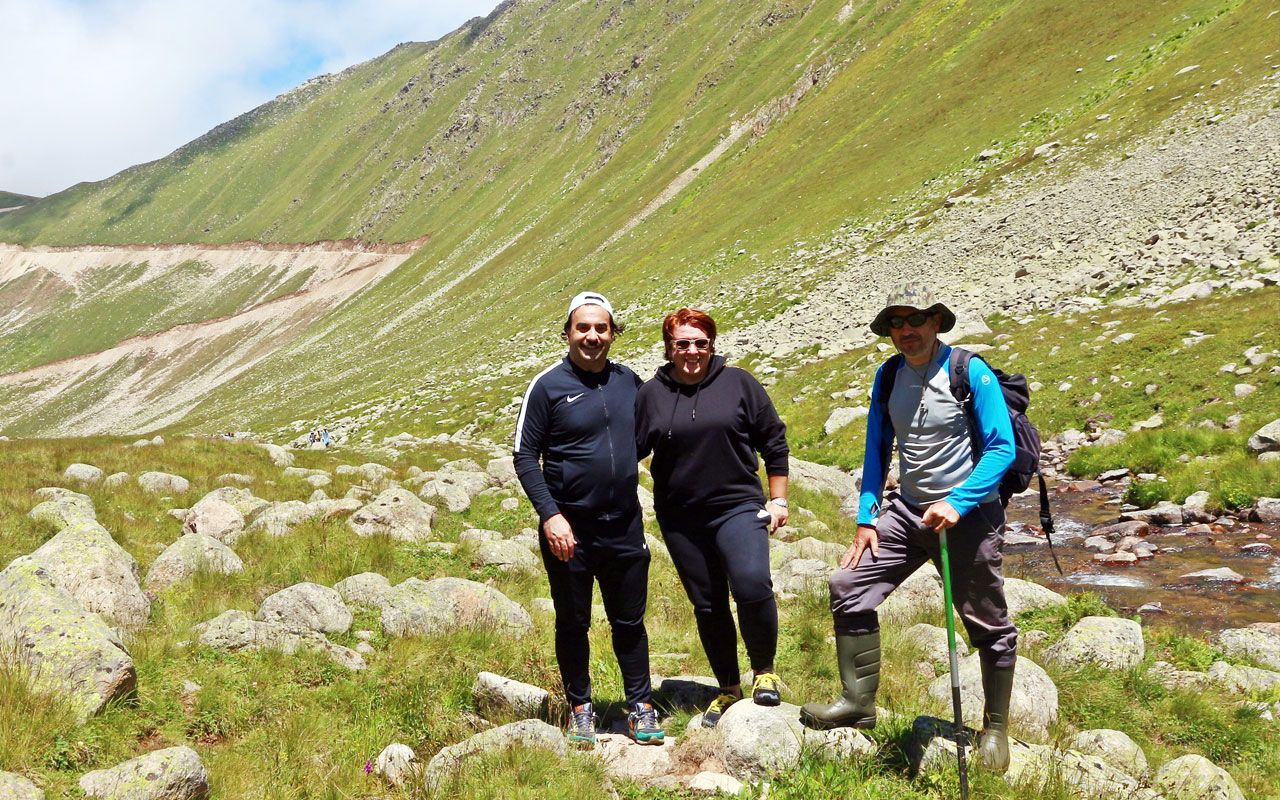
<point>1194,576</point>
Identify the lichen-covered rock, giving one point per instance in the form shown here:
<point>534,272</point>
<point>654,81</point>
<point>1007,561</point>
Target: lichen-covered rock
<point>529,734</point>
<point>931,641</point>
<point>1107,642</point>
<point>371,472</point>
<point>396,763</point>
<point>279,456</point>
<point>236,630</point>
<point>807,548</point>
<point>1260,642</point>
<point>61,507</point>
<point>70,652</point>
<point>365,589</point>
<point>759,740</point>
<point>919,595</point>
<point>1113,747</point>
<point>625,760</point>
<point>307,607</point>
<point>397,513</point>
<point>1194,777</point>
<point>83,473</point>
<point>279,519</point>
<point>506,555</point>
<point>801,575</point>
<point>1266,439</point>
<point>215,518</point>
<point>500,698</point>
<point>824,479</point>
<point>115,480</point>
<point>425,608</point>
<point>174,773</point>
<point>1243,679</point>
<point>16,787</point>
<point>1033,706</point>
<point>84,561</point>
<point>190,555</point>
<point>454,498</point>
<point>502,469</point>
<point>1171,677</point>
<point>163,483</point>
<point>1027,596</point>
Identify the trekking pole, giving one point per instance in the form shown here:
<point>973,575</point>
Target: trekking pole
<point>955,666</point>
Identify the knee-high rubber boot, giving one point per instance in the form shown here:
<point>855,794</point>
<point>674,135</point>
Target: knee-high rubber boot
<point>993,742</point>
<point>859,658</point>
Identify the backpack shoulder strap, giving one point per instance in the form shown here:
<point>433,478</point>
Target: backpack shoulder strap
<point>958,375</point>
<point>888,375</point>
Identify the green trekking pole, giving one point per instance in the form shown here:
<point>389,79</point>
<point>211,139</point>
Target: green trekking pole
<point>955,665</point>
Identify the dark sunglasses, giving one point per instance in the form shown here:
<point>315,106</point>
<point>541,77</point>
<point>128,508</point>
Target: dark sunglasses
<point>685,344</point>
<point>914,320</point>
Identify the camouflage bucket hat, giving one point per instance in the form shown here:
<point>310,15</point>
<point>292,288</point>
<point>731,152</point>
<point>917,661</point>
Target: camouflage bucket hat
<point>912,295</point>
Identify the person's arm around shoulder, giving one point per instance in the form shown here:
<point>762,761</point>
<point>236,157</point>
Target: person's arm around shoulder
<point>646,431</point>
<point>532,426</point>
<point>991,414</point>
<point>879,436</point>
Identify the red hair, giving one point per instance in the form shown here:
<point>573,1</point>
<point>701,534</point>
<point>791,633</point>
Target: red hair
<point>687,316</point>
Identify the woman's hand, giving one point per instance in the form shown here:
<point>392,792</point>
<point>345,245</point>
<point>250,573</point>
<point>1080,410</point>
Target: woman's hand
<point>778,515</point>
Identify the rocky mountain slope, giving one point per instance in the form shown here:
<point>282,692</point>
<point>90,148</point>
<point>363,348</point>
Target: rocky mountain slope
<point>652,152</point>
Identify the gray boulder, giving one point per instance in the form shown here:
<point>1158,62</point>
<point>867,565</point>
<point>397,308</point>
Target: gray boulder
<point>115,480</point>
<point>506,555</point>
<point>84,561</point>
<point>1267,509</point>
<point>1107,642</point>
<point>499,698</point>
<point>1194,777</point>
<point>370,473</point>
<point>1242,679</point>
<point>1266,439</point>
<point>840,417</point>
<point>801,576</point>
<point>16,787</point>
<point>1033,705</point>
<point>174,773</point>
<point>279,456</point>
<point>808,547</point>
<point>278,519</point>
<point>163,483</point>
<point>365,589</point>
<point>232,631</point>
<point>307,607</point>
<point>759,740</point>
<point>453,497</point>
<point>1113,747</point>
<point>931,642</point>
<point>83,473</point>
<point>397,513</point>
<point>70,652</point>
<point>624,760</point>
<point>1218,575</point>
<point>529,734</point>
<point>396,763</point>
<point>1259,642</point>
<point>1164,513</point>
<point>216,518</point>
<point>190,555</point>
<point>426,608</point>
<point>1171,677</point>
<point>502,470</point>
<point>822,478</point>
<point>242,500</point>
<point>1027,596</point>
<point>920,595</point>
<point>61,507</point>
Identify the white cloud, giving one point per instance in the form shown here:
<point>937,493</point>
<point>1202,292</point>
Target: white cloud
<point>89,88</point>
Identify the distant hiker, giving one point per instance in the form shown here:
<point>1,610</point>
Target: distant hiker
<point>704,422</point>
<point>324,436</point>
<point>949,480</point>
<point>578,417</point>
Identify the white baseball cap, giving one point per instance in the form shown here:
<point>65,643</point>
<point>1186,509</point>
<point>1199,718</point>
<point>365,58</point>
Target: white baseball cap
<point>588,299</point>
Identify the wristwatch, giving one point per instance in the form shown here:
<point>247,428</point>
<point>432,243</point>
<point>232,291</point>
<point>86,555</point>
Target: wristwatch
<point>779,501</point>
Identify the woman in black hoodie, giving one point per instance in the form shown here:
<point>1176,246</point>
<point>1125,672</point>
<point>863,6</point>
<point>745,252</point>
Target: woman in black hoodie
<point>704,422</point>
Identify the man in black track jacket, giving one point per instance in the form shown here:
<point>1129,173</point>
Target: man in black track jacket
<point>575,455</point>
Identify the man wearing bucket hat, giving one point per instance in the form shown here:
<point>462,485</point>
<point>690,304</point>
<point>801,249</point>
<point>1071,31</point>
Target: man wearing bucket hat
<point>949,483</point>
<point>575,455</point>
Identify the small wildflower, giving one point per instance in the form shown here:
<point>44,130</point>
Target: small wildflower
<point>368,767</point>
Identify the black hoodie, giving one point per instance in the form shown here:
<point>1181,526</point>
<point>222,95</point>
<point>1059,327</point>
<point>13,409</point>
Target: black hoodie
<point>704,438</point>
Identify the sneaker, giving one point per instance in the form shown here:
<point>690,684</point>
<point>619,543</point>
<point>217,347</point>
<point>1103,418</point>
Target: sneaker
<point>582,726</point>
<point>711,717</point>
<point>764,689</point>
<point>642,725</point>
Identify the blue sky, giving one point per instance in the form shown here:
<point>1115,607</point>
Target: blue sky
<point>89,87</point>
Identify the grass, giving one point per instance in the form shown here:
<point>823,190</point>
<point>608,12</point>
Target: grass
<point>269,725</point>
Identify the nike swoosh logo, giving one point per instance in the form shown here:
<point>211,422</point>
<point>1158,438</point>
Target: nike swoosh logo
<point>571,398</point>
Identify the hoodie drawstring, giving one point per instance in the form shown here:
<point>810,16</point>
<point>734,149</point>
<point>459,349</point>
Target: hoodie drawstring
<point>697,392</point>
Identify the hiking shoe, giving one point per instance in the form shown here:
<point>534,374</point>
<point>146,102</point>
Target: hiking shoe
<point>711,717</point>
<point>642,725</point>
<point>764,689</point>
<point>582,726</point>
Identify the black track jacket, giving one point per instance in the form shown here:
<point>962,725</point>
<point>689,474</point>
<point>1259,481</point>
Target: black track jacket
<point>704,438</point>
<point>581,425</point>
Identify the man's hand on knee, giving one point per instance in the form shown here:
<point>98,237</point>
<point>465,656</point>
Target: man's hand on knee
<point>940,516</point>
<point>865,538</point>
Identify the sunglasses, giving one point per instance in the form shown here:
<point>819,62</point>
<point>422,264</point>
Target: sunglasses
<point>914,320</point>
<point>685,344</point>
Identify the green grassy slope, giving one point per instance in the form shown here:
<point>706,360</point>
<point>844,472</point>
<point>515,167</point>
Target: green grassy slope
<point>523,143</point>
<point>13,200</point>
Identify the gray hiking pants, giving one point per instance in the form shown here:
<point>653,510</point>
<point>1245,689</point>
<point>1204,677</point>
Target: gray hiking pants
<point>977,581</point>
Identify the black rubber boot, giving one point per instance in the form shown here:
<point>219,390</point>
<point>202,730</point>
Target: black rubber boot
<point>859,659</point>
<point>992,747</point>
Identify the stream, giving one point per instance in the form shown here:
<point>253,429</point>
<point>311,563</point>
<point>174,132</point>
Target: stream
<point>1189,605</point>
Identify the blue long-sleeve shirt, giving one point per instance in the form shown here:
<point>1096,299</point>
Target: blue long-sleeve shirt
<point>937,450</point>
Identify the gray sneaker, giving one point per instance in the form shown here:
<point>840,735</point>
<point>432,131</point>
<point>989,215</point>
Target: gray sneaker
<point>582,726</point>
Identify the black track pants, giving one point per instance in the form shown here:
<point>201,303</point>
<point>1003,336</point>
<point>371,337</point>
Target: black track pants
<point>615,554</point>
<point>716,555</point>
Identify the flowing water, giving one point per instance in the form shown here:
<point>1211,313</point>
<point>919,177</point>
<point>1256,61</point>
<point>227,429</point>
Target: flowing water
<point>1189,605</point>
